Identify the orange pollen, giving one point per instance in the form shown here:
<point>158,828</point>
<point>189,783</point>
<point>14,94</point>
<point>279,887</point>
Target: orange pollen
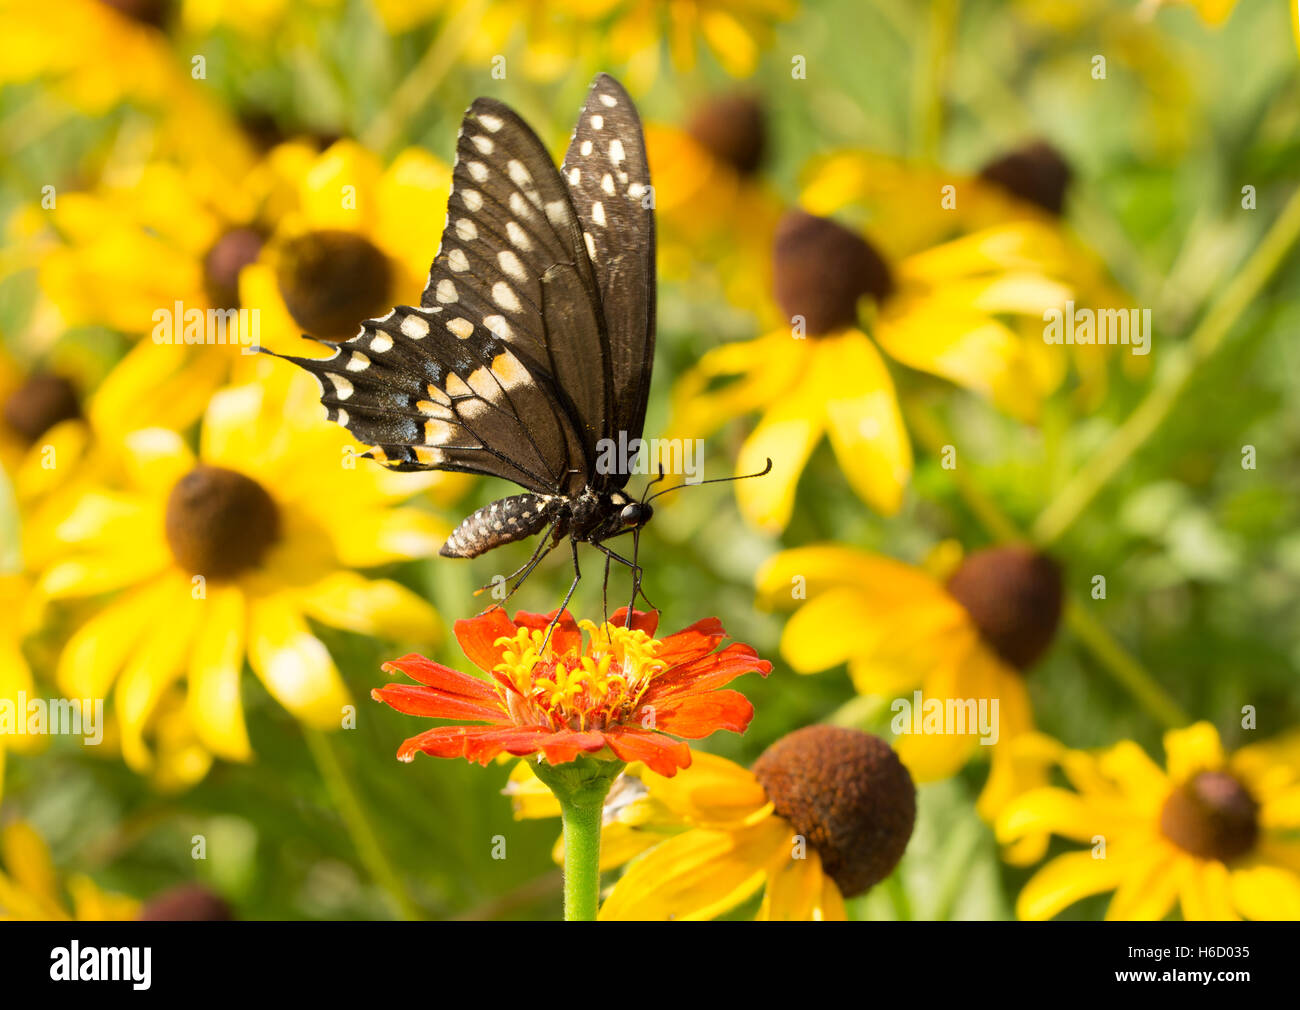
<point>593,688</point>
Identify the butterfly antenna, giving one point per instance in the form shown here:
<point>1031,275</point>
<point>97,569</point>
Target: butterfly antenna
<point>653,483</point>
<point>715,480</point>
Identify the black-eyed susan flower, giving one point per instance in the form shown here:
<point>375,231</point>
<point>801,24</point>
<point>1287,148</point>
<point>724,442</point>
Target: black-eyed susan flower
<point>560,689</point>
<point>912,207</point>
<point>1211,834</point>
<point>356,242</point>
<point>224,555</point>
<point>31,888</point>
<point>964,643</point>
<point>825,814</point>
<point>820,374</point>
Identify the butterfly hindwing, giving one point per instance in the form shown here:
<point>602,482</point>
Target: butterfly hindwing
<point>608,175</point>
<point>511,225</point>
<point>428,389</point>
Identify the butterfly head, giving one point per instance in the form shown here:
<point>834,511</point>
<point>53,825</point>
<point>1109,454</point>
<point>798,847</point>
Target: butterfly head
<point>635,514</point>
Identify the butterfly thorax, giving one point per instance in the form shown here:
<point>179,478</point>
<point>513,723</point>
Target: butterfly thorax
<point>590,516</point>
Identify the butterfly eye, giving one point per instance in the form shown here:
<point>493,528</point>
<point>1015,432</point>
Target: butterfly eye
<point>635,514</point>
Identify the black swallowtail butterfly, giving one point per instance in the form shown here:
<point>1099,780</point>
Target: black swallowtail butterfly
<point>533,340</point>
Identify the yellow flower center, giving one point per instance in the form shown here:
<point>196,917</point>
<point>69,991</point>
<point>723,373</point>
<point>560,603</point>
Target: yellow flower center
<point>591,689</point>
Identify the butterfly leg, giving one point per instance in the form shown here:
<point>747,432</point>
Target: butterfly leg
<point>544,547</point>
<point>636,579</point>
<point>577,576</point>
<point>604,592</point>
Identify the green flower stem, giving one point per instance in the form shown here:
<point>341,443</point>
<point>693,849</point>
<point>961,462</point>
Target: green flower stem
<point>581,787</point>
<point>425,77</point>
<point>358,824</point>
<point>1117,660</point>
<point>1126,670</point>
<point>581,860</point>
<point>1089,480</point>
<point>932,72</point>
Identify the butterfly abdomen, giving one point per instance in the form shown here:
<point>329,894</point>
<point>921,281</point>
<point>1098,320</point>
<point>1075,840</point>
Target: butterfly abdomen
<point>502,522</point>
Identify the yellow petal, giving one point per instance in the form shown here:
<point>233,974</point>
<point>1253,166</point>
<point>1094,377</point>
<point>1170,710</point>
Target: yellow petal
<point>155,459</point>
<point>786,435</point>
<point>1266,893</point>
<point>794,890</point>
<point>529,798</point>
<point>1140,778</point>
<point>293,664</point>
<point>97,650</point>
<point>825,631</point>
<point>1065,880</point>
<point>215,707</point>
<point>344,169</point>
<point>1150,888</point>
<point>864,423</point>
<point>698,874</point>
<point>91,903</point>
<point>1052,811</point>
<point>1206,894</point>
<point>1192,750</point>
<point>155,662</point>
<point>380,536</point>
<point>963,346</point>
<point>712,792</point>
<point>375,607</point>
<point>812,570</point>
<point>28,860</point>
<point>232,433</point>
<point>759,372</point>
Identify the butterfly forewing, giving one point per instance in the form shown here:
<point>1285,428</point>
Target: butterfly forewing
<point>510,226</point>
<point>608,176</point>
<point>428,389</point>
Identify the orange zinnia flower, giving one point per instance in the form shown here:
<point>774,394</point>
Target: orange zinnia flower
<point>621,689</point>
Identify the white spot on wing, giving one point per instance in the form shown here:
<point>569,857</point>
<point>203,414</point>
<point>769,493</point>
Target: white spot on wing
<point>489,122</point>
<point>415,327</point>
<point>381,343</point>
<point>609,101</point>
<point>598,213</point>
<point>446,291</point>
<point>498,326</point>
<point>585,147</point>
<point>597,122</point>
<point>463,328</point>
<point>473,199</point>
<point>358,362</point>
<point>477,170</point>
<point>504,296</point>
<point>518,236</point>
<point>457,260</point>
<point>510,264</point>
<point>484,145</point>
<point>466,230</point>
<point>341,385</point>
